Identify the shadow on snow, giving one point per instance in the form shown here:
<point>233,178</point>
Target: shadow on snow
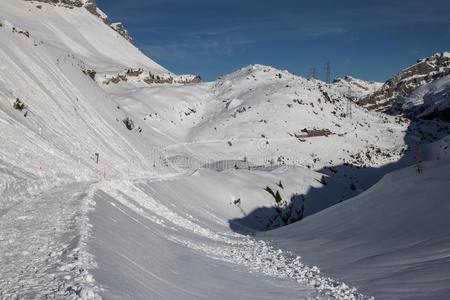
<point>342,182</point>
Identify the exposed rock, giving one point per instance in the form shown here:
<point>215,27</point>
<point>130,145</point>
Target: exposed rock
<point>90,73</point>
<point>77,3</point>
<point>196,79</point>
<point>135,73</point>
<point>91,6</point>
<point>355,88</point>
<point>404,83</point>
<point>429,101</point>
<point>122,31</point>
<point>149,78</point>
<point>129,124</point>
<point>19,105</point>
<point>307,133</point>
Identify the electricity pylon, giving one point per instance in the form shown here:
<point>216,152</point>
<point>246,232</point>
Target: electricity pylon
<point>328,72</point>
<point>349,97</point>
<point>314,72</point>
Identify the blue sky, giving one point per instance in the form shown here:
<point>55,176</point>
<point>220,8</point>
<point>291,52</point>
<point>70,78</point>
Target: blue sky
<point>368,39</point>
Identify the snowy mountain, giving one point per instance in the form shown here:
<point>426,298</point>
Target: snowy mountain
<point>264,116</point>
<point>355,88</point>
<point>431,100</point>
<point>404,83</point>
<point>122,180</point>
<point>91,6</point>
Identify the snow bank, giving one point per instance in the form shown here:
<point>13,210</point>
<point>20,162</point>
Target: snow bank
<point>392,241</point>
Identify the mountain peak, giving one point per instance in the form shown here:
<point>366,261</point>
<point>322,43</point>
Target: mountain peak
<point>89,4</point>
<point>436,56</point>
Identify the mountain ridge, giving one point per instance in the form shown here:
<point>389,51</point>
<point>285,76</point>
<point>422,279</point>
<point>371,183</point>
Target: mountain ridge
<point>406,81</point>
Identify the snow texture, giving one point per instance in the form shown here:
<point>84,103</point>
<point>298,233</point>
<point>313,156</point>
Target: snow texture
<point>122,180</point>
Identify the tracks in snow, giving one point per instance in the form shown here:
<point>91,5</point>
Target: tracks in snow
<point>255,255</point>
<point>43,243</point>
<point>42,240</point>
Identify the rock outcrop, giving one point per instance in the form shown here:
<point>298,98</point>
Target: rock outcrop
<point>91,6</point>
<point>404,83</point>
<point>355,88</point>
<point>122,31</point>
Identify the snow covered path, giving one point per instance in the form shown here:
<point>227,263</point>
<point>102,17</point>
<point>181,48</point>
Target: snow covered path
<point>40,245</point>
<point>158,245</point>
<point>137,245</point>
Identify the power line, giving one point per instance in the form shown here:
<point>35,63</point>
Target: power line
<point>314,72</point>
<point>349,103</point>
<point>328,72</point>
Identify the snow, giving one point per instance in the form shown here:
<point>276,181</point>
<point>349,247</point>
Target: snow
<point>42,244</point>
<point>429,98</point>
<point>358,88</point>
<point>78,32</point>
<point>157,246</point>
<point>175,203</point>
<point>392,241</point>
<point>390,97</point>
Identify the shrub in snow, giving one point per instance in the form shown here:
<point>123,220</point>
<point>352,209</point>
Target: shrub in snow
<point>327,97</point>
<point>129,124</point>
<point>19,105</point>
<point>90,73</point>
<point>23,32</point>
<point>418,161</point>
<point>288,213</point>
<point>280,185</point>
<point>269,190</point>
<point>135,73</point>
<point>278,198</point>
<point>196,79</point>
<point>276,195</point>
<point>322,180</point>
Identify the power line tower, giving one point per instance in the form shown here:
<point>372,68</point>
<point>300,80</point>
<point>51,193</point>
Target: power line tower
<point>349,97</point>
<point>328,72</point>
<point>349,108</point>
<point>314,72</point>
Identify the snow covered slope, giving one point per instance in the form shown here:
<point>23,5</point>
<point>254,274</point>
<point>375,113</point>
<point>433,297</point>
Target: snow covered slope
<point>355,88</point>
<point>75,31</point>
<point>428,101</point>
<point>120,179</point>
<point>171,239</point>
<point>134,111</point>
<point>154,238</point>
<point>51,108</point>
<point>264,116</point>
<point>405,82</point>
<point>392,241</point>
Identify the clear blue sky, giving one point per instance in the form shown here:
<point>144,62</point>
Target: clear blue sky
<point>368,39</point>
